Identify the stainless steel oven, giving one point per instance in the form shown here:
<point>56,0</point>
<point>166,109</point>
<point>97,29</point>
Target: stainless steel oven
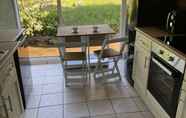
<point>165,78</point>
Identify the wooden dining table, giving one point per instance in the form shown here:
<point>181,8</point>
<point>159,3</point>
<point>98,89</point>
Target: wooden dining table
<point>84,31</point>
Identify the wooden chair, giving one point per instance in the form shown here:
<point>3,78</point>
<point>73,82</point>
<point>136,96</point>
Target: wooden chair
<point>109,55</point>
<point>74,62</point>
<point>96,40</point>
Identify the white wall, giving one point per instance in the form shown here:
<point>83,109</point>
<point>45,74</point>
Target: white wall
<point>8,17</point>
<point>123,16</point>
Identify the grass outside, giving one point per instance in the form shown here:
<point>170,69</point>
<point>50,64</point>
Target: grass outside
<point>78,12</point>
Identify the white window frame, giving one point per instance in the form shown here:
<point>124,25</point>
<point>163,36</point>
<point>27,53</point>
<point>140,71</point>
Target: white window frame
<point>123,18</point>
<point>16,10</point>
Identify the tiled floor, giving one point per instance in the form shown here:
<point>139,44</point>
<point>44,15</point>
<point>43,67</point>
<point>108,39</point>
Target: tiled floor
<point>49,98</point>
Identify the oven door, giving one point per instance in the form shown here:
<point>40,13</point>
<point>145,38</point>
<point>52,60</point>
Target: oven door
<point>164,84</point>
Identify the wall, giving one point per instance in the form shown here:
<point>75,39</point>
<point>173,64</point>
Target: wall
<point>7,14</point>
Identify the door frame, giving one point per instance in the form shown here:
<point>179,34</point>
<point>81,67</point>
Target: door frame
<point>123,18</point>
<point>16,11</point>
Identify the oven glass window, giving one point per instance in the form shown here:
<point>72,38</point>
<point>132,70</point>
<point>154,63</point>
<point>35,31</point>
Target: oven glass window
<point>163,84</point>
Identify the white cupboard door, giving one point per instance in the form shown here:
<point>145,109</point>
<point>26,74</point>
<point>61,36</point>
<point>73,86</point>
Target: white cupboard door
<point>15,96</point>
<point>184,111</point>
<point>6,99</point>
<point>141,64</point>
<point>11,96</point>
<point>15,103</point>
<point>3,106</point>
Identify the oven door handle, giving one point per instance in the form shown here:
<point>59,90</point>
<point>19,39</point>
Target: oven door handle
<point>162,67</point>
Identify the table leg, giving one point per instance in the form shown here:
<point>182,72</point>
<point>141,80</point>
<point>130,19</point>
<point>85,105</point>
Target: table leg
<point>85,39</point>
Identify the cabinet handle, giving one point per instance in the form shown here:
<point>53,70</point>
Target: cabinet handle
<point>145,62</point>
<point>135,56</point>
<point>10,103</point>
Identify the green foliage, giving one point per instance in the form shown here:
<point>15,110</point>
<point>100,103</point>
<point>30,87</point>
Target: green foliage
<point>93,14</point>
<point>39,17</point>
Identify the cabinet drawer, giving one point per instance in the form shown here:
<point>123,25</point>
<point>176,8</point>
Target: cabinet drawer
<point>143,41</point>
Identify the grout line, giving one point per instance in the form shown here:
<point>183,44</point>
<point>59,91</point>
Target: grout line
<point>38,107</point>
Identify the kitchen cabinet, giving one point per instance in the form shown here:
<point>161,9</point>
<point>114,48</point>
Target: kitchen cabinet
<point>141,64</point>
<point>184,111</point>
<point>11,103</point>
<point>181,112</point>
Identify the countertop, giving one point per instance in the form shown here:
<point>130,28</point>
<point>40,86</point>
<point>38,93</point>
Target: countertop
<point>153,33</point>
<point>10,34</point>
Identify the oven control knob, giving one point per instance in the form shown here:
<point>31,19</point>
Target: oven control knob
<point>161,52</point>
<point>171,58</point>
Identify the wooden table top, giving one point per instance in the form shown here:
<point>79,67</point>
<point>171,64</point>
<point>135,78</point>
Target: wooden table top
<point>84,30</point>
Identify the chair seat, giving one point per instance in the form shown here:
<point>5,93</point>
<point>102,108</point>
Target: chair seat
<point>95,42</point>
<point>71,56</point>
<point>107,53</point>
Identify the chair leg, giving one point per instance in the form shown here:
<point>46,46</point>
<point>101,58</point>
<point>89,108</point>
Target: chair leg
<point>84,73</point>
<point>113,69</point>
<point>95,71</point>
<point>102,71</point>
<point>117,68</point>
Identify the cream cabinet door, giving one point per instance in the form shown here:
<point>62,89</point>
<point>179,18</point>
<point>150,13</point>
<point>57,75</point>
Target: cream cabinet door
<point>141,64</point>
<point>15,95</point>
<point>181,111</point>
<point>184,112</point>
<point>3,104</point>
<point>11,97</point>
<point>184,88</point>
<point>140,69</point>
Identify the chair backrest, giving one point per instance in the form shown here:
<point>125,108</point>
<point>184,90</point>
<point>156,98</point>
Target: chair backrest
<point>73,42</point>
<point>122,40</point>
<point>96,40</point>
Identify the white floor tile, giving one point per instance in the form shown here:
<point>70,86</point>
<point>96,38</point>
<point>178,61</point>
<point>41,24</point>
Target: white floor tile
<point>51,99</point>
<point>131,91</point>
<point>79,102</point>
<point>115,91</point>
<point>51,112</point>
<point>79,110</point>
<point>124,105</point>
<point>52,88</point>
<point>32,101</point>
<point>130,115</point>
<point>33,90</point>
<point>74,97</point>
<point>101,107</point>
<point>140,104</point>
<point>53,80</point>
<point>96,93</point>
<point>30,113</point>
<point>105,116</point>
